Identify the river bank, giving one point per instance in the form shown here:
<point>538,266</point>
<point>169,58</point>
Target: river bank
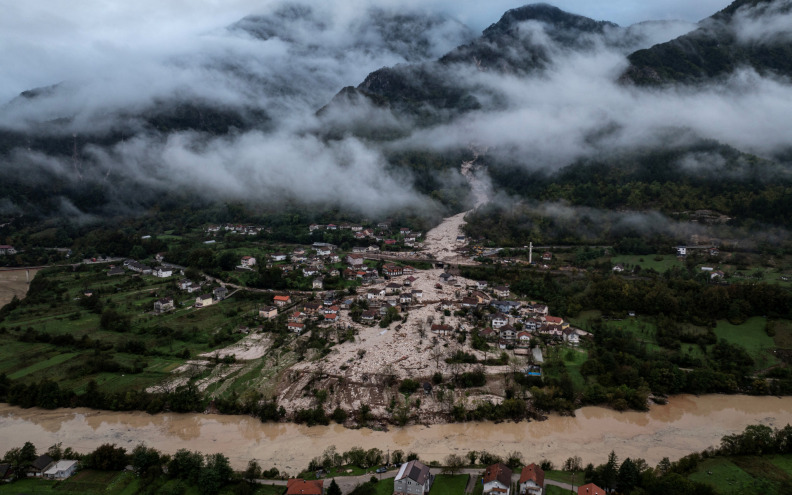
<point>686,424</point>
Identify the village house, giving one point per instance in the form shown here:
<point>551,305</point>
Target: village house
<point>163,272</point>
<point>373,248</point>
<point>139,268</point>
<point>297,317</point>
<point>413,478</point>
<point>532,480</point>
<point>481,284</point>
<point>392,270</point>
<point>392,288</point>
<point>324,251</point>
<point>163,305</point>
<point>447,278</point>
<point>556,320</point>
<point>375,294</point>
<point>41,464</point>
<point>282,256</point>
<point>501,291</point>
<point>498,320</point>
<point>310,271</point>
<point>304,487</point>
<point>446,305</point>
<point>571,336</point>
<point>204,300</point>
<point>538,309</point>
<point>409,281</point>
<point>248,261</point>
<point>717,274</point>
<point>547,256</point>
<point>61,470</point>
<point>369,315</point>
<point>313,227</point>
<point>318,283</point>
<point>5,249</point>
<point>354,260</point>
<point>417,293</point>
<point>405,298</point>
<point>442,329</point>
<point>282,300</point>
<point>359,249</point>
<point>312,307</point>
<point>469,302</point>
<point>488,333</point>
<point>6,472</point>
<point>532,324</point>
<point>618,268</point>
<point>497,480</point>
<point>115,270</point>
<point>408,270</point>
<point>505,306</point>
<point>507,332</point>
<point>268,312</point>
<point>481,297</point>
<point>220,293</point>
<point>295,327</point>
<point>523,338</point>
<point>332,226</point>
<point>590,489</point>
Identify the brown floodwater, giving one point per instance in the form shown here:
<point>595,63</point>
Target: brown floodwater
<point>686,424</point>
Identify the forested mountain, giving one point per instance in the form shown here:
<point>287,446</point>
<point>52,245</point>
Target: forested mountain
<point>750,34</point>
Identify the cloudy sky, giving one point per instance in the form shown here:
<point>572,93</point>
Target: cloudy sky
<point>126,58</point>
<point>46,41</point>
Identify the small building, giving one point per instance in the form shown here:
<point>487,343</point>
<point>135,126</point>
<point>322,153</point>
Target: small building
<point>282,300</point>
<point>304,487</point>
<point>41,464</point>
<point>354,259</point>
<point>532,480</point>
<point>5,249</point>
<point>204,300</point>
<point>318,283</point>
<point>501,291</point>
<point>392,270</point>
<point>442,329</point>
<point>268,312</point>
<point>115,270</point>
<point>413,478</point>
<point>295,327</point>
<point>618,268</point>
<point>220,293</point>
<point>6,472</point>
<point>248,261</point>
<point>61,470</point>
<point>163,305</point>
<point>497,479</point>
<point>590,489</point>
<point>547,256</point>
<point>163,272</point>
<point>282,256</point>
<point>681,251</point>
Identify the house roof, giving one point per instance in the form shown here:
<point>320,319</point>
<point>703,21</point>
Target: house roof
<point>295,324</point>
<point>499,472</point>
<point>554,319</point>
<point>282,298</point>
<point>205,296</point>
<point>590,489</point>
<point>304,487</point>
<point>414,470</point>
<point>5,469</point>
<point>534,473</point>
<point>42,462</point>
<point>62,465</point>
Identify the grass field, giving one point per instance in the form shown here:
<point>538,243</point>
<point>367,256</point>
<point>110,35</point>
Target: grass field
<point>446,484</point>
<point>767,475</point>
<point>647,261</point>
<point>554,490</point>
<point>750,335</point>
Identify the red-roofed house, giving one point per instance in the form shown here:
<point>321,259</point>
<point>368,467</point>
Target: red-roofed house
<point>282,300</point>
<point>590,489</point>
<point>304,487</point>
<point>497,479</point>
<point>532,480</point>
<point>295,326</point>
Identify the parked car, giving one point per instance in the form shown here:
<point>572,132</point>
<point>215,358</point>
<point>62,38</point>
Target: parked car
<point>381,469</point>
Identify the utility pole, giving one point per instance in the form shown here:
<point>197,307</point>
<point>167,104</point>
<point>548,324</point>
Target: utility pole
<point>530,253</point>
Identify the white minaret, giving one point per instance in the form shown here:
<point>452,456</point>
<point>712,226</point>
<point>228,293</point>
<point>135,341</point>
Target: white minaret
<point>530,253</point>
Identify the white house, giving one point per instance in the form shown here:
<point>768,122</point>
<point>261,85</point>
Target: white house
<point>532,480</point>
<point>497,479</point>
<point>204,300</point>
<point>61,470</point>
<point>248,261</point>
<point>413,478</point>
<point>163,272</point>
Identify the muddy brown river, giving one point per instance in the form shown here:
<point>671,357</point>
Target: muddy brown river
<point>686,424</point>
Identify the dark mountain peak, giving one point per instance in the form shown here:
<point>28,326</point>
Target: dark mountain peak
<point>547,14</point>
<point>746,34</point>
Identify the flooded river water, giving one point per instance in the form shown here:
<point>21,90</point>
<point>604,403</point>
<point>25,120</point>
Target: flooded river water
<point>686,424</point>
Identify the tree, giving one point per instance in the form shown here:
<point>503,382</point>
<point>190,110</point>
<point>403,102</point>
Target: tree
<point>472,456</point>
<point>574,463</point>
<point>610,471</point>
<point>28,453</point>
<point>146,461</point>
<point>453,463</point>
<point>253,471</point>
<point>56,452</point>
<point>107,457</point>
<point>629,476</point>
<point>514,460</point>
<point>398,456</point>
<point>333,489</point>
<point>215,474</point>
<point>186,465</point>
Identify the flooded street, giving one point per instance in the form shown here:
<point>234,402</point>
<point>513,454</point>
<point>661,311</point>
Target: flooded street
<point>686,424</point>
